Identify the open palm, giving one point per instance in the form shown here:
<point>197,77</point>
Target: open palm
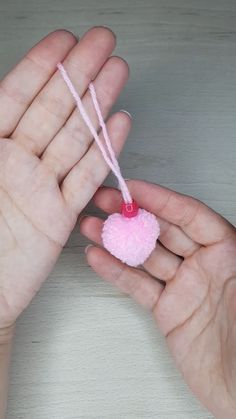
<point>194,303</point>
<point>49,167</point>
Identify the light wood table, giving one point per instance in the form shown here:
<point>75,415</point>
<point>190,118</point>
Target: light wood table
<point>83,350</point>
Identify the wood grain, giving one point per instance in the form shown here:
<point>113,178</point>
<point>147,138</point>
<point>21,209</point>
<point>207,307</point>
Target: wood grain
<point>83,350</point>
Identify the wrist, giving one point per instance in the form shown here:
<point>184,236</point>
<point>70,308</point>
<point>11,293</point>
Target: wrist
<point>6,335</point>
<point>228,411</point>
<point>226,414</point>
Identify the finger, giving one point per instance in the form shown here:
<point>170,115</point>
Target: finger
<point>171,236</point>
<point>27,78</point>
<point>87,175</point>
<point>134,282</point>
<point>199,222</point>
<point>175,239</point>
<point>53,105</point>
<point>73,140</point>
<point>91,227</point>
<point>161,264</point>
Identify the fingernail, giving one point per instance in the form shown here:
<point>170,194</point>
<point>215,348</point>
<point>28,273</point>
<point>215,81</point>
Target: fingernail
<point>104,27</point>
<point>127,113</point>
<point>86,248</point>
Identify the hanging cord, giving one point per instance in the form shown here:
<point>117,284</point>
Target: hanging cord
<point>109,159</point>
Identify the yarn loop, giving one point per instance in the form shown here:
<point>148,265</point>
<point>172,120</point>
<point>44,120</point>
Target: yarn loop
<point>131,235</point>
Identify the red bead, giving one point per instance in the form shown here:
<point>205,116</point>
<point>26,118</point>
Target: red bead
<point>129,210</point>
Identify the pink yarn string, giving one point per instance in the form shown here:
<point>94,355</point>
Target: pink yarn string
<point>102,124</point>
<point>122,183</point>
<point>111,161</point>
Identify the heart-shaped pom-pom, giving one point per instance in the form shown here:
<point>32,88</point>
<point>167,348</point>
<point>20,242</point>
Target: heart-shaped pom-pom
<point>131,239</point>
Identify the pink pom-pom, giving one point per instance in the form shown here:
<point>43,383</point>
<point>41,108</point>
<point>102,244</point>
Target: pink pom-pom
<point>131,239</point>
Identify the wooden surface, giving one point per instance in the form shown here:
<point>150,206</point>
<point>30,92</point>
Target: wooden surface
<point>83,350</point>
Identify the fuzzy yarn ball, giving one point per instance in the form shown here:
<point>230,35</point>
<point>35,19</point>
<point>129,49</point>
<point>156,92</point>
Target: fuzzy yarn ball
<point>131,239</point>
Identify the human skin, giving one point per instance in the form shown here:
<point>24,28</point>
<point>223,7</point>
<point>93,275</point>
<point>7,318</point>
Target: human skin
<point>48,173</point>
<point>195,306</point>
<point>49,166</point>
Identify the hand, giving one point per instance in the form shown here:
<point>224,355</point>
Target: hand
<point>48,168</point>
<point>195,306</point>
